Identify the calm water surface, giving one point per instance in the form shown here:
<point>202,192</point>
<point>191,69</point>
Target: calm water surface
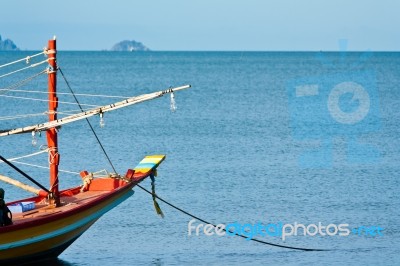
<point>232,155</point>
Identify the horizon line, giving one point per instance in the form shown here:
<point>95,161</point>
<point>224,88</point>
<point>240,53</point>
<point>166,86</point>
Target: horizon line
<point>250,51</point>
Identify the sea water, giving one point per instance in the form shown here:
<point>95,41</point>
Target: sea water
<point>257,140</point>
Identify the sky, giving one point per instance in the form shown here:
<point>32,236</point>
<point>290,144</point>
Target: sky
<point>204,25</point>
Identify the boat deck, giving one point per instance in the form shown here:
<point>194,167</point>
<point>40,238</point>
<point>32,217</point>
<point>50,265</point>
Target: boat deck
<point>67,203</point>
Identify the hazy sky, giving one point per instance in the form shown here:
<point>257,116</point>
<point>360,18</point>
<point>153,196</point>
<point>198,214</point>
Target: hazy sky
<point>204,24</point>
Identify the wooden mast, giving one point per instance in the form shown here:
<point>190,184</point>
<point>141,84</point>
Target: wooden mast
<point>51,134</point>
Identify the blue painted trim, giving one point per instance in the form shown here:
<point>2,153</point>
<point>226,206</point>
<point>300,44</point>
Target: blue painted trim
<point>145,165</point>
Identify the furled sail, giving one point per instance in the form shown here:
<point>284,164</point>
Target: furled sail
<point>89,113</point>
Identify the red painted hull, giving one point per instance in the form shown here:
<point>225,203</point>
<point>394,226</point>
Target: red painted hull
<point>47,232</point>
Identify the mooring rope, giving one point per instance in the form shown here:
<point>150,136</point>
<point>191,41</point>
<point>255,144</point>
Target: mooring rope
<point>239,235</point>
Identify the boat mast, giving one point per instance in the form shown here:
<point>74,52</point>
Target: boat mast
<point>51,133</point>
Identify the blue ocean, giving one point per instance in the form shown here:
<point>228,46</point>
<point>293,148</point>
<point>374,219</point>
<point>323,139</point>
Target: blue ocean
<point>304,142</point>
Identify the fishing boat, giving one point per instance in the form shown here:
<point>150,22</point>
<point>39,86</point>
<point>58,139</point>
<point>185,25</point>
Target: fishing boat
<point>44,225</point>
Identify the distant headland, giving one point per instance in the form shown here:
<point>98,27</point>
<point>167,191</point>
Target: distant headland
<point>7,45</point>
<point>129,46</point>
<point>126,45</point>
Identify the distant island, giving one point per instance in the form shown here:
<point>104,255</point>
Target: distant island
<point>129,46</point>
<point>7,45</point>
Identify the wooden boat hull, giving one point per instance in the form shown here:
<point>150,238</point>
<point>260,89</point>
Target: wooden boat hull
<point>48,237</point>
<point>45,232</point>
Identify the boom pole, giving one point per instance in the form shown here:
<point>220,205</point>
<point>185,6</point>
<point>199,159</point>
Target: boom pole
<point>92,112</point>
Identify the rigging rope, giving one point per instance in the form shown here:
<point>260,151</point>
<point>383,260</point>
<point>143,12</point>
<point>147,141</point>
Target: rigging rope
<point>239,235</point>
<point>26,59</point>
<point>26,156</point>
<point>15,160</point>
<point>21,116</point>
<point>68,93</point>
<point>42,100</point>
<point>24,174</point>
<point>66,112</point>
<point>24,68</point>
<point>45,167</point>
<point>90,125</point>
<point>22,82</point>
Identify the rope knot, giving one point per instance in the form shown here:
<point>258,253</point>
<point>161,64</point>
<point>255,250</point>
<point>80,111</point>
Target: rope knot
<point>87,179</point>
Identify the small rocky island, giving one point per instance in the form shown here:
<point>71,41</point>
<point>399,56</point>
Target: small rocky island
<point>7,45</point>
<point>130,46</point>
